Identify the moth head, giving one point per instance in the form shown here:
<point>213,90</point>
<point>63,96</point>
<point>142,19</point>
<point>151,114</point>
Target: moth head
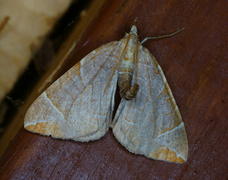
<point>134,30</point>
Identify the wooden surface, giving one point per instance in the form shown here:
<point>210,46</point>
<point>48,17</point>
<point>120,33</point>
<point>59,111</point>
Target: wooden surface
<point>195,63</point>
<point>23,34</point>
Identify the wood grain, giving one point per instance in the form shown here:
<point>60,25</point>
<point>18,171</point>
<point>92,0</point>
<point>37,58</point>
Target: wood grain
<point>23,33</point>
<point>195,65</point>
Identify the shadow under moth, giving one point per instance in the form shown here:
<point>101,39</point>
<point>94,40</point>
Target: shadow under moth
<point>79,105</point>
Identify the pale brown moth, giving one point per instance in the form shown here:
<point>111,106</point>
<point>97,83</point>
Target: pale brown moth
<point>79,105</point>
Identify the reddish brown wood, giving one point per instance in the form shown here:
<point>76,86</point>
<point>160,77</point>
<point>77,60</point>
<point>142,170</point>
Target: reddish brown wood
<point>195,64</point>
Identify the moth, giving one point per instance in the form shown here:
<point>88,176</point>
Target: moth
<point>79,105</point>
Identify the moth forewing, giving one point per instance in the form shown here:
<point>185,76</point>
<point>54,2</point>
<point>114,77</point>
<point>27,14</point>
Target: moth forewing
<point>79,104</point>
<point>76,103</point>
<point>152,124</point>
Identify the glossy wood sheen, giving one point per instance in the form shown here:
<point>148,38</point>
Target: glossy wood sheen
<point>195,65</point>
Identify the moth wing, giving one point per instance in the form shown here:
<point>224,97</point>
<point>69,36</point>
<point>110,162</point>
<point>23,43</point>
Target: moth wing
<point>79,104</point>
<point>151,123</point>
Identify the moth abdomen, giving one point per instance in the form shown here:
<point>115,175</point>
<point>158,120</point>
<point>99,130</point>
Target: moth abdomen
<point>131,92</point>
<point>126,70</point>
<point>126,90</point>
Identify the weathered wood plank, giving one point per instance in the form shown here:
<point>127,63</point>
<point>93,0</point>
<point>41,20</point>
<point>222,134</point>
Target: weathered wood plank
<point>195,65</point>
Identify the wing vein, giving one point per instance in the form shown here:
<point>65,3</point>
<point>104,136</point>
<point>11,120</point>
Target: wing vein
<point>54,105</point>
<point>91,80</point>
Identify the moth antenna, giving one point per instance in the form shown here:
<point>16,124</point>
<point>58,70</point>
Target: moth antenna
<point>136,60</point>
<point>164,36</point>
